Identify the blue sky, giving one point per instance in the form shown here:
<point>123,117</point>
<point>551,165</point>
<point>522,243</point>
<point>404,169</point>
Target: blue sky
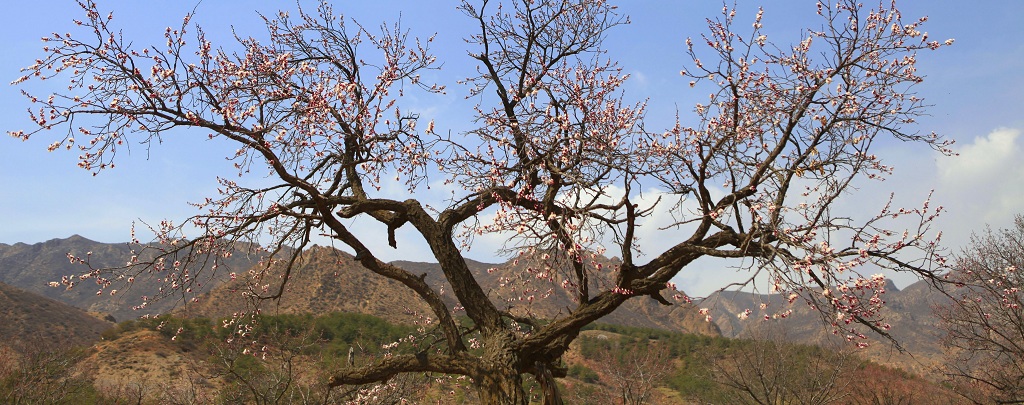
<point>976,87</point>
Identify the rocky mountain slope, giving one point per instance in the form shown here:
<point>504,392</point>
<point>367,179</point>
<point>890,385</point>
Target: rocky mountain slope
<point>328,280</point>
<point>33,267</point>
<point>908,311</point>
<point>31,319</point>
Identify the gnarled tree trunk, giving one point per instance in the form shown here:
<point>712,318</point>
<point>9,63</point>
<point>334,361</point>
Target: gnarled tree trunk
<point>499,379</point>
<point>501,386</point>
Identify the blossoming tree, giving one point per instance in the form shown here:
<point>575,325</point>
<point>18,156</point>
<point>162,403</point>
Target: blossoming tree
<point>984,326</point>
<point>555,161</point>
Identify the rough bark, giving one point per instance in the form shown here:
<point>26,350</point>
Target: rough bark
<point>501,386</point>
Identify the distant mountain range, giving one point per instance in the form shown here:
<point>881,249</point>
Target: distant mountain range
<point>328,280</point>
<point>33,267</point>
<point>908,311</point>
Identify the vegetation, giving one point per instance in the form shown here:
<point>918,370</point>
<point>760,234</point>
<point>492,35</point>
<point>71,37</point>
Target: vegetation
<point>336,331</point>
<point>30,374</point>
<point>614,365</point>
<point>283,359</point>
<point>766,370</point>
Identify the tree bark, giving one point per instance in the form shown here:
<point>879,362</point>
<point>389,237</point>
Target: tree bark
<point>502,386</point>
<point>499,378</point>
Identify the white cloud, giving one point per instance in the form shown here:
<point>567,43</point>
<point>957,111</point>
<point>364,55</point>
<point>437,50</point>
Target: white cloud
<point>985,184</point>
<point>982,186</point>
<point>984,160</point>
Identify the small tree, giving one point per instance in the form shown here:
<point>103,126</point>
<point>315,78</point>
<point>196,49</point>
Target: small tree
<point>555,161</point>
<point>33,374</point>
<point>772,370</point>
<point>985,325</point>
<point>631,370</point>
<point>283,367</point>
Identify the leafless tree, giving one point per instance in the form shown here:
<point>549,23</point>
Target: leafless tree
<point>985,325</point>
<point>771,370</point>
<point>272,369</point>
<point>34,374</point>
<point>189,389</point>
<point>318,116</point>
<point>632,370</point>
<point>127,391</point>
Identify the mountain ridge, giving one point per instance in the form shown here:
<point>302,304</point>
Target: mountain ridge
<point>33,267</point>
<point>327,279</point>
<point>331,280</point>
<point>907,311</point>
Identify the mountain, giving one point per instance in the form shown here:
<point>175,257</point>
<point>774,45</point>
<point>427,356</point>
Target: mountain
<point>528,286</point>
<point>31,319</point>
<point>908,311</point>
<point>329,280</point>
<point>326,280</point>
<point>33,267</point>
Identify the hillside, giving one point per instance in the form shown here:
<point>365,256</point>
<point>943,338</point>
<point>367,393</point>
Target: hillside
<point>325,280</point>
<point>31,319</point>
<point>691,369</point>
<point>32,267</point>
<point>143,361</point>
<point>328,280</point>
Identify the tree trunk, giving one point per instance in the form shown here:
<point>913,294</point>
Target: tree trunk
<point>502,387</point>
<point>548,386</point>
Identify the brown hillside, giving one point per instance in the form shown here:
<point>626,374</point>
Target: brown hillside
<point>145,365</point>
<point>31,319</point>
<point>328,280</point>
<point>325,280</point>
